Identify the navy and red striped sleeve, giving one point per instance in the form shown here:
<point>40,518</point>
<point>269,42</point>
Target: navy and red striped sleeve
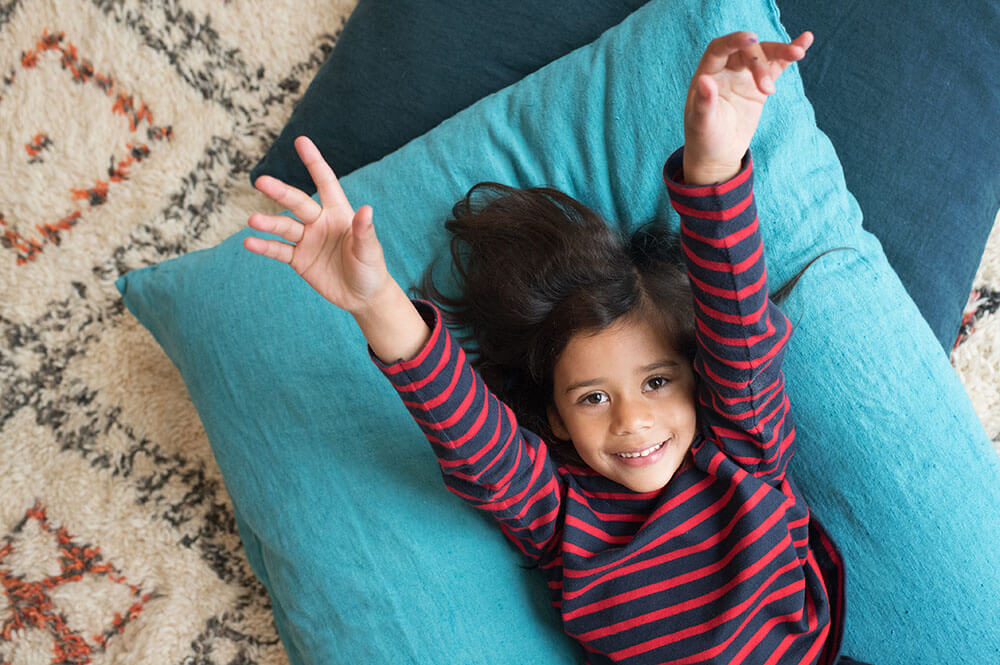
<point>484,456</point>
<point>741,334</point>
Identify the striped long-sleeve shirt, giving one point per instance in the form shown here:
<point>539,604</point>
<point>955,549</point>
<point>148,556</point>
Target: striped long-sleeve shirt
<point>722,565</point>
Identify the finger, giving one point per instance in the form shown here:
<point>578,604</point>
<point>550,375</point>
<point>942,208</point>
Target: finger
<point>286,227</point>
<point>719,50</point>
<point>298,202</point>
<point>330,192</point>
<point>367,248</point>
<point>757,62</point>
<point>780,55</point>
<point>804,41</point>
<point>272,249</point>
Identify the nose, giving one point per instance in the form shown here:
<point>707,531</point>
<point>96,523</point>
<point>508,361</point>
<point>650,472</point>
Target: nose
<point>631,416</point>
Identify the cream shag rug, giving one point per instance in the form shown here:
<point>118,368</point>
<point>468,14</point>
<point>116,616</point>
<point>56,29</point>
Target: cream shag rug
<point>127,130</point>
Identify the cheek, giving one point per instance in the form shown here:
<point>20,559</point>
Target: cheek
<point>587,453</point>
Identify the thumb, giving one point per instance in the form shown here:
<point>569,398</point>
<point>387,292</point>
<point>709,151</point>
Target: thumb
<point>703,97</point>
<point>367,248</point>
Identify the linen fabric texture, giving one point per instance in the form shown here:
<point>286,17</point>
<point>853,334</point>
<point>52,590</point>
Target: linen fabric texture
<point>365,555</point>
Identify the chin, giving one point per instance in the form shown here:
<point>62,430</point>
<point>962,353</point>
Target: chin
<point>646,485</point>
<point>645,488</point>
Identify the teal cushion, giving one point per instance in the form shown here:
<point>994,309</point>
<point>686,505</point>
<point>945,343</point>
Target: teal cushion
<point>368,559</point>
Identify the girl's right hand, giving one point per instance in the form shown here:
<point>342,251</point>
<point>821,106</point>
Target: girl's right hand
<point>334,249</point>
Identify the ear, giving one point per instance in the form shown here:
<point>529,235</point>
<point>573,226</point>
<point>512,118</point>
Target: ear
<point>556,423</point>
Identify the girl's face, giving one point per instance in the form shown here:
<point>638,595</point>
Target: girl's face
<point>626,399</point>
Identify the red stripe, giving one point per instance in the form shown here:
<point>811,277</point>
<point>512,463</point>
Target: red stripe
<point>577,523</point>
<point>818,640</point>
<point>605,517</point>
<point>725,267</point>
<point>729,294</point>
<point>443,396</point>
<point>694,603</point>
<point>719,382</point>
<point>836,605</point>
<point>765,630</point>
<point>532,527</point>
<point>764,423</point>
<point>551,487</point>
<point>504,504</point>
<point>770,463</point>
<point>708,190</point>
<point>778,384</point>
<point>417,360</point>
<point>731,240</point>
<point>499,487</point>
<point>820,643</point>
<point>472,461</point>
<point>615,496</point>
<point>704,600</point>
<point>441,363</point>
<point>512,538</point>
<point>740,342</point>
<point>714,215</point>
<point>461,408</point>
<point>760,405</point>
<point>757,361</point>
<point>741,319</point>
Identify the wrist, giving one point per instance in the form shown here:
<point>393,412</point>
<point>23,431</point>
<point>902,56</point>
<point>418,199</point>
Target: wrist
<point>391,324</point>
<point>386,298</point>
<point>709,174</point>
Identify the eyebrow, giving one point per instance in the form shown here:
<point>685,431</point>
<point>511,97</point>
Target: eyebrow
<point>659,364</point>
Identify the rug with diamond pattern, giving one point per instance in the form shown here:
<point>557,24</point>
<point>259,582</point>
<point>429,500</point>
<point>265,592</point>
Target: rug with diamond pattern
<point>127,131</point>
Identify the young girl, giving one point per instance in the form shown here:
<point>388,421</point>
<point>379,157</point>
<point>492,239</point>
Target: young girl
<point>646,476</point>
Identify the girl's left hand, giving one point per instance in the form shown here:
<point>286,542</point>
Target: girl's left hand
<point>734,78</point>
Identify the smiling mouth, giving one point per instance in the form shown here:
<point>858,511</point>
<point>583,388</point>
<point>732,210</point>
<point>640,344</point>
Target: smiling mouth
<point>642,453</point>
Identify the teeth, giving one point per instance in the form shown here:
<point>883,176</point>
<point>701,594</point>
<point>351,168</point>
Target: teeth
<point>642,453</point>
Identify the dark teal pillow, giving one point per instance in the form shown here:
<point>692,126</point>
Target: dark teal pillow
<point>907,92</point>
<point>368,559</point>
<point>401,67</point>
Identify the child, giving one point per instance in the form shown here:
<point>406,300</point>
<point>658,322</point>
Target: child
<point>647,474</point>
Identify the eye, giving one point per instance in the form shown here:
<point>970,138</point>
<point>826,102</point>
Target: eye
<point>657,382</point>
<point>593,399</point>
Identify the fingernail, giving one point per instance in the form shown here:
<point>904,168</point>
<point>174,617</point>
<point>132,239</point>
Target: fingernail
<point>752,40</point>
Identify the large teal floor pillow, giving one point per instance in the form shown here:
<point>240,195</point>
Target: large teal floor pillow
<point>368,559</point>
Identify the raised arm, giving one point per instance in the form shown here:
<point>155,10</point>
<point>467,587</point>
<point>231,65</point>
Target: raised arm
<point>484,456</point>
<point>335,250</point>
<point>741,334</point>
